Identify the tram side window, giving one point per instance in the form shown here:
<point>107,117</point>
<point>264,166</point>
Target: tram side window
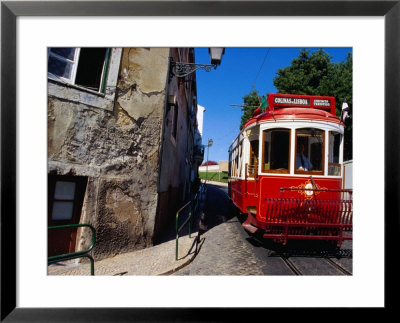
<point>239,165</point>
<point>309,150</point>
<point>253,165</point>
<point>276,148</point>
<point>236,161</point>
<point>334,149</point>
<point>229,164</point>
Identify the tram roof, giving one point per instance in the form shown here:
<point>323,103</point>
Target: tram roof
<point>293,114</point>
<point>283,107</point>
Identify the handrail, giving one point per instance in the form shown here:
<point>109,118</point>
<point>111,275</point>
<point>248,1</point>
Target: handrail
<point>77,254</point>
<point>328,190</point>
<point>192,210</point>
<point>315,189</point>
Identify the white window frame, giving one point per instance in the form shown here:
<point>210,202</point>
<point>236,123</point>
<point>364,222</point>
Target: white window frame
<point>324,150</point>
<point>293,126</point>
<point>73,63</point>
<point>330,150</point>
<point>66,90</point>
<point>261,149</point>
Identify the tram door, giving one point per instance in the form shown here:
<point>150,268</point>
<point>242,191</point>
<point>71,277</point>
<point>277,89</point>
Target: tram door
<point>252,169</point>
<point>65,198</point>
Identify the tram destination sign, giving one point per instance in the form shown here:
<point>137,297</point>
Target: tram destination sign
<point>291,101</point>
<point>306,101</point>
<point>322,102</point>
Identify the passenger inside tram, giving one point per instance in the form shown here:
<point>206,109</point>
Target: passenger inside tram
<point>302,162</point>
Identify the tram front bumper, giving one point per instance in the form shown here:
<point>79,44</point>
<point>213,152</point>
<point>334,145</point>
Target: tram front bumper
<point>250,224</point>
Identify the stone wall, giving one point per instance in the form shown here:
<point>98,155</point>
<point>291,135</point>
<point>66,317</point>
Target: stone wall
<point>118,150</point>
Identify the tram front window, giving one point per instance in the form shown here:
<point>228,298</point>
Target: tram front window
<point>276,148</point>
<point>309,150</point>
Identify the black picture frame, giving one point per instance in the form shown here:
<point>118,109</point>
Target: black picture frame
<point>10,10</point>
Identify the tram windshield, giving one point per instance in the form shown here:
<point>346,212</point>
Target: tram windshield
<point>276,151</point>
<point>309,150</point>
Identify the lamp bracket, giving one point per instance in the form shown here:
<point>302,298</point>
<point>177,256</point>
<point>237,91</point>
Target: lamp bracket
<point>184,69</point>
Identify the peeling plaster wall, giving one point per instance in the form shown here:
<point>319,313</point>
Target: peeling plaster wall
<point>119,152</point>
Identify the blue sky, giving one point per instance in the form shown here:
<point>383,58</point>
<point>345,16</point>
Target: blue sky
<point>240,69</point>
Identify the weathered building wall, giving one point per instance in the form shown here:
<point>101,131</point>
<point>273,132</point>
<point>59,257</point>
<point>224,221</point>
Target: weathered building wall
<point>178,139</point>
<point>118,151</point>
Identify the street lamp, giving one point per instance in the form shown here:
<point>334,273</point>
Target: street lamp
<point>183,69</point>
<point>216,55</point>
<point>210,142</point>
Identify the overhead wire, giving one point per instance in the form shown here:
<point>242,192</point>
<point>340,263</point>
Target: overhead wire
<point>259,71</point>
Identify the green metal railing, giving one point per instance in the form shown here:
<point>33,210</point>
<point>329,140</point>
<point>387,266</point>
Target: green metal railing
<point>192,206</point>
<point>78,254</point>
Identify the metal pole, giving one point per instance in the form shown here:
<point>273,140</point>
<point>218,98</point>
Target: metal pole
<point>208,147</point>
<point>177,235</point>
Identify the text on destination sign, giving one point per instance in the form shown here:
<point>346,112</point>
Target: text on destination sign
<point>294,101</point>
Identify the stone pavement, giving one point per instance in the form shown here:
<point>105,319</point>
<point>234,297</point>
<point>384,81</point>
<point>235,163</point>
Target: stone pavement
<point>223,251</point>
<point>223,246</point>
<point>157,260</point>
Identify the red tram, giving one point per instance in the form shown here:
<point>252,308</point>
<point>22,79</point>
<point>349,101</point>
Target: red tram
<point>286,171</point>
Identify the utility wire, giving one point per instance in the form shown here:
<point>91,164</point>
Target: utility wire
<point>258,74</point>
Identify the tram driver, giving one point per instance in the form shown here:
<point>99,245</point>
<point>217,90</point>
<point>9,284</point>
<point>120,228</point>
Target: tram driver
<point>302,162</point>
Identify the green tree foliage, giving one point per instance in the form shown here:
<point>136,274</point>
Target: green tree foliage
<point>313,73</point>
<point>344,89</point>
<point>308,74</point>
<point>250,104</point>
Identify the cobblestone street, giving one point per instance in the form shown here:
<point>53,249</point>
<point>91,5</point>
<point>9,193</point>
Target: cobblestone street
<point>219,259</point>
<point>225,248</point>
